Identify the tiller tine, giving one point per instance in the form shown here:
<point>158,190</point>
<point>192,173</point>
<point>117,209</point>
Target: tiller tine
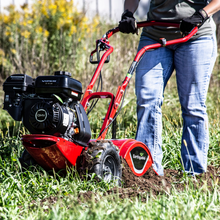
<point>51,152</point>
<point>136,154</point>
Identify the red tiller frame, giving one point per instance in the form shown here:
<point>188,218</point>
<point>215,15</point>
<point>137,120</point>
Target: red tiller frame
<point>116,100</point>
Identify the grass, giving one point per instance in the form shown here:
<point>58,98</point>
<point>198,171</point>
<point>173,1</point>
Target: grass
<point>36,194</point>
<point>179,206</point>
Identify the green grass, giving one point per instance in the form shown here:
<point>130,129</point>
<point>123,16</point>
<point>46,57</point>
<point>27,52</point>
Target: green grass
<point>186,205</point>
<point>22,193</point>
<point>30,195</point>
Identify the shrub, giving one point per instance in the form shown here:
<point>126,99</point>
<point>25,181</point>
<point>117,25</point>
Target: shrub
<point>43,37</point>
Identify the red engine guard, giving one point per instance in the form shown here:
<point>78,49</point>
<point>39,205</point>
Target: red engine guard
<point>51,152</point>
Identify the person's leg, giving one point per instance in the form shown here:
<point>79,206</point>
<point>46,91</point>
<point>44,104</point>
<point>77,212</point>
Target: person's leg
<point>152,74</point>
<point>194,62</point>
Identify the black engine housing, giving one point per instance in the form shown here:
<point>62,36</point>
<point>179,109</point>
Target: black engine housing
<point>48,105</point>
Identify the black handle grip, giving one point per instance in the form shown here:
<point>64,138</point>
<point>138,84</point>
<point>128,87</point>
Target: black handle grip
<point>97,61</point>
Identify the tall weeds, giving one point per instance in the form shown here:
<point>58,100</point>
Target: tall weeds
<point>43,37</point>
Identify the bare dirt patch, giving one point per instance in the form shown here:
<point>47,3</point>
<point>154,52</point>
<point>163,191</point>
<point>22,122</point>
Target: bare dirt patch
<point>151,184</point>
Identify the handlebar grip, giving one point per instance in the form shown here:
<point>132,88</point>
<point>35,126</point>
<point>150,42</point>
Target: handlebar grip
<point>96,61</point>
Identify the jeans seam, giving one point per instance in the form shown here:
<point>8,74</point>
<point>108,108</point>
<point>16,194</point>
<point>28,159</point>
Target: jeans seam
<point>206,119</point>
<point>156,122</point>
<point>168,69</point>
<point>155,135</point>
<point>206,142</point>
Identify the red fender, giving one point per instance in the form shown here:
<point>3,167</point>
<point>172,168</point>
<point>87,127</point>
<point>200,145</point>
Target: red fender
<point>136,154</point>
<point>51,152</point>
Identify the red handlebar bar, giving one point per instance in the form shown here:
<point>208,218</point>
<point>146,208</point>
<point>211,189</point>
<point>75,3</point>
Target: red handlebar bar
<point>153,23</point>
<point>105,44</point>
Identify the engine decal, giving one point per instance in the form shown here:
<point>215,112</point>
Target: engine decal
<point>41,115</point>
<point>65,119</point>
<point>74,93</point>
<point>139,158</point>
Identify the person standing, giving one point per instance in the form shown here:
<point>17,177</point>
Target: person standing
<point>193,62</point>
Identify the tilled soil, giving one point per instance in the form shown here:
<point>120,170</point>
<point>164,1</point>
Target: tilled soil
<point>152,184</point>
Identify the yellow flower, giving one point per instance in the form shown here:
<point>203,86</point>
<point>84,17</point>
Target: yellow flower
<point>11,39</point>
<point>85,19</point>
<point>39,30</point>
<point>6,19</point>
<point>7,33</point>
<point>13,51</point>
<point>26,15</point>
<point>2,53</point>
<point>96,21</point>
<point>30,22</point>
<point>68,21</point>
<point>24,23</point>
<point>53,9</point>
<point>44,11</point>
<point>62,9</point>
<point>16,16</point>
<point>60,23</point>
<point>3,61</point>
<point>46,33</point>
<point>88,30</point>
<point>26,34</point>
<point>73,29</point>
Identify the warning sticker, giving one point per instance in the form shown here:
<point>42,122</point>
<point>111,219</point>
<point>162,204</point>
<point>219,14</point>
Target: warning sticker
<point>65,119</point>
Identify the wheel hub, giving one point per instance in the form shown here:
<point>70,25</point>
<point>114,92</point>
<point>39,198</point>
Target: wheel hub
<point>109,170</point>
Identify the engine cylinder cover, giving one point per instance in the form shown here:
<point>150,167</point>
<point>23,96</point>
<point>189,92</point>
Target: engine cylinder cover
<point>48,118</point>
<point>48,105</point>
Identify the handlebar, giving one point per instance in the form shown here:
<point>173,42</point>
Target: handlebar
<point>104,44</point>
<point>146,24</point>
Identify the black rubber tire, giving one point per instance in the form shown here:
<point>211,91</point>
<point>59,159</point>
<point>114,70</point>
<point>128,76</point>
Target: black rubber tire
<point>106,161</point>
<point>27,160</point>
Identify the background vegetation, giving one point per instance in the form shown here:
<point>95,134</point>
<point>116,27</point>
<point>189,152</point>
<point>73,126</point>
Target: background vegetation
<point>53,35</point>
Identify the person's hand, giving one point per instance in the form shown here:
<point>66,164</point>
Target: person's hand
<point>128,23</point>
<point>197,19</point>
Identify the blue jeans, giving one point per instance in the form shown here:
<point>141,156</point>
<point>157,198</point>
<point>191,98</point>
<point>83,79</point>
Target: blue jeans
<point>193,62</point>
